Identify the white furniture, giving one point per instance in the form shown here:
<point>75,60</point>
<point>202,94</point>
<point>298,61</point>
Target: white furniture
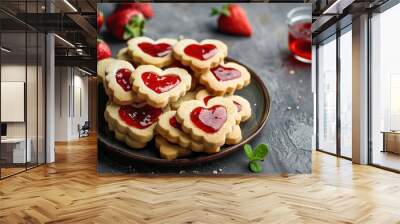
<point>18,149</point>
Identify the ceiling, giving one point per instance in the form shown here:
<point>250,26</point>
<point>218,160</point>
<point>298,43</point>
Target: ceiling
<point>329,15</point>
<point>72,20</point>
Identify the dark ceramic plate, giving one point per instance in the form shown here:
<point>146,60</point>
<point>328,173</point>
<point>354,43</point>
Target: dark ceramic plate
<point>256,93</point>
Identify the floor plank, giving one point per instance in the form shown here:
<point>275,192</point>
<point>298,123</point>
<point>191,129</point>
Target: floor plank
<point>70,191</point>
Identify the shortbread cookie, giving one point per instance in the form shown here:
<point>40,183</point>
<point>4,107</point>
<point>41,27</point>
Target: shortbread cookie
<point>171,130</point>
<point>205,96</point>
<point>146,51</point>
<point>188,96</point>
<point>202,56</point>
<point>160,87</point>
<point>243,107</point>
<point>128,140</point>
<point>101,68</point>
<point>235,136</point>
<point>118,82</point>
<point>170,151</point>
<point>123,54</point>
<point>225,78</point>
<point>137,120</point>
<point>209,124</point>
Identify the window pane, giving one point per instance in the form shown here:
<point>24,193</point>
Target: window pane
<point>15,150</point>
<point>385,95</point>
<point>346,94</point>
<point>327,97</point>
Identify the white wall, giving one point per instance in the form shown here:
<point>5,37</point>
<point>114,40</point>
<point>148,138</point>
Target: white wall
<point>71,93</point>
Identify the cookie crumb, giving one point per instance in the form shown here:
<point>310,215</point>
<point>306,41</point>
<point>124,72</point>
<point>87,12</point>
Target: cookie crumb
<point>289,108</point>
<point>181,172</point>
<point>215,172</point>
<point>220,170</point>
<point>298,107</point>
<point>292,72</point>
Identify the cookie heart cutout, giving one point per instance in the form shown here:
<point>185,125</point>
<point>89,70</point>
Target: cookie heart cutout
<point>225,74</point>
<point>238,106</point>
<point>160,84</point>
<point>174,123</point>
<point>210,119</point>
<point>201,52</point>
<point>155,50</point>
<point>139,116</point>
<point>123,78</point>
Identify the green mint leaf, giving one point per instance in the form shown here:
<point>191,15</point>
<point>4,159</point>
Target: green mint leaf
<point>255,167</point>
<point>248,151</point>
<point>260,151</point>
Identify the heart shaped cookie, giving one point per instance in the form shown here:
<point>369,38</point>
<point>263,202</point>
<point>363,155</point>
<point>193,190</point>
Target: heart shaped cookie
<point>101,68</point>
<point>170,151</point>
<point>160,87</point>
<point>209,124</point>
<point>225,78</point>
<point>243,107</point>
<point>202,56</point>
<point>170,129</point>
<point>137,121</point>
<point>144,50</point>
<point>118,82</point>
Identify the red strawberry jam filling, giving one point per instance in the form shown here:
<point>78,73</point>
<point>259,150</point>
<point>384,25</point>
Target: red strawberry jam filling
<point>160,84</point>
<point>225,74</point>
<point>201,52</point>
<point>238,106</point>
<point>174,123</point>
<point>155,50</point>
<point>207,98</point>
<point>210,120</point>
<point>139,116</point>
<point>123,79</point>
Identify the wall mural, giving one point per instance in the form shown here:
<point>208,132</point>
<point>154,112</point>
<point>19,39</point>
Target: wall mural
<point>202,88</point>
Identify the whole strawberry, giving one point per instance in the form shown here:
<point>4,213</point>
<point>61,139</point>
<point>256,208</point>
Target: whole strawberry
<point>125,24</point>
<point>103,50</point>
<point>145,8</point>
<point>233,20</point>
<point>100,20</point>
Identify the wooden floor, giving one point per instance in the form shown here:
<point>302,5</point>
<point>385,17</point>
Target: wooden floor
<point>70,191</point>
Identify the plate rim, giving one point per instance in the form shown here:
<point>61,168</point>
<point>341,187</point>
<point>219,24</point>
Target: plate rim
<point>202,159</point>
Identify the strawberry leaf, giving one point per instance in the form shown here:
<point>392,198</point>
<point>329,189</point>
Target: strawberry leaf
<point>134,28</point>
<point>224,11</point>
<point>214,11</point>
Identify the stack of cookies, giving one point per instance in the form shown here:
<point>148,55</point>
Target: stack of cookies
<point>180,92</point>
